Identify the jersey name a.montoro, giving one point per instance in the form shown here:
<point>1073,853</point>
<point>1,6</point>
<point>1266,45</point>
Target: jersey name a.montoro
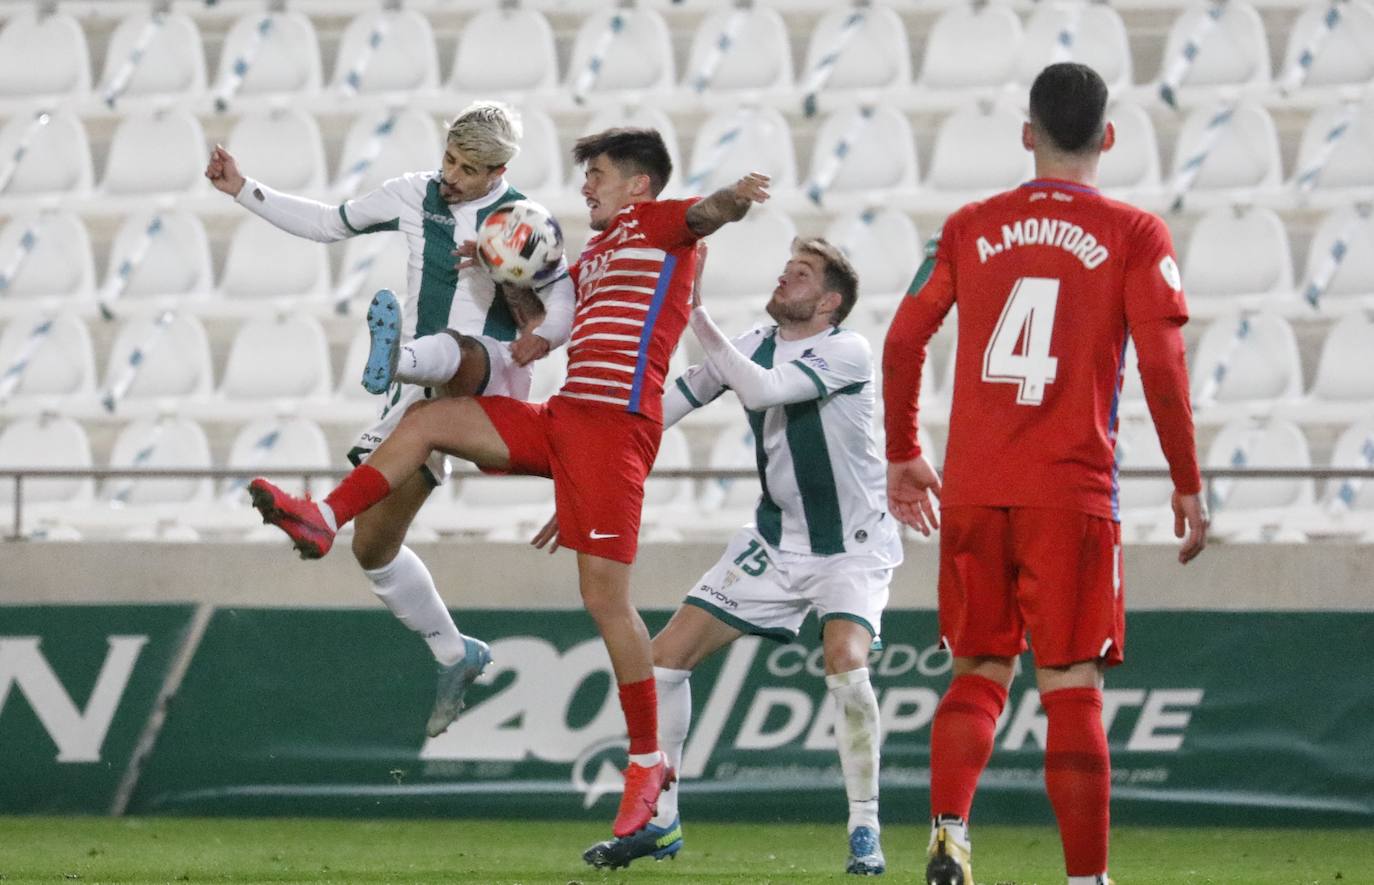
<point>633,283</point>
<point>438,296</point>
<point>818,464</point>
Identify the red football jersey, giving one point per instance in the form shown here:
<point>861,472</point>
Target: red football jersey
<point>1048,279</point>
<point>634,289</point>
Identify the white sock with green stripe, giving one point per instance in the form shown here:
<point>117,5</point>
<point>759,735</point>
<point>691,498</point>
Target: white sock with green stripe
<point>856,737</point>
<point>429,360</point>
<point>674,718</point>
<point>407,588</point>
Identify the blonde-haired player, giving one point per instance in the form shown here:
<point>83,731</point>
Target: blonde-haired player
<point>484,340</point>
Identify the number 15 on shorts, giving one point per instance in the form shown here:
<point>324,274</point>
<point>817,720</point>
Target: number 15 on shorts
<point>754,560</point>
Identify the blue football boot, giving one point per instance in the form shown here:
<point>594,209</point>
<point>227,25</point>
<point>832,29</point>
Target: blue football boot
<point>865,854</point>
<point>652,841</point>
<point>454,681</point>
<point>384,328</point>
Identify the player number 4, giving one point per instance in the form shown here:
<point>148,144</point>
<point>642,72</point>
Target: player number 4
<point>1027,320</point>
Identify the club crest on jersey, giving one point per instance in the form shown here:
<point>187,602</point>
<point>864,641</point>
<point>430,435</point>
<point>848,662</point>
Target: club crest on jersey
<point>1168,268</point>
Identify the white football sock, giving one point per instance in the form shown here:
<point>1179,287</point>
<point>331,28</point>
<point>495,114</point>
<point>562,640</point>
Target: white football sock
<point>407,588</point>
<point>957,830</point>
<point>856,737</point>
<point>429,360</point>
<point>327,513</point>
<point>646,760</point>
<point>1088,880</point>
<point>674,718</point>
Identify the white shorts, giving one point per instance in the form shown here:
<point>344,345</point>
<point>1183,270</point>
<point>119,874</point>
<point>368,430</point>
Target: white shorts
<point>504,379</point>
<point>766,592</point>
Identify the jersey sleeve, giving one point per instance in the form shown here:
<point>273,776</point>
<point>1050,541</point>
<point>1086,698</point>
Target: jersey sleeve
<point>665,222</point>
<point>378,209</point>
<point>928,299</point>
<point>1153,283</point>
<point>838,364</point>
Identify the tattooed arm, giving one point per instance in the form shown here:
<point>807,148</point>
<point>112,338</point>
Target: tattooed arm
<point>727,204</point>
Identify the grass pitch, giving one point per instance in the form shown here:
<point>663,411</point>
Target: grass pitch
<point>100,850</point>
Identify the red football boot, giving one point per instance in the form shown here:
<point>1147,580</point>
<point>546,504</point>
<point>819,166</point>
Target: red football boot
<point>639,803</point>
<point>300,518</point>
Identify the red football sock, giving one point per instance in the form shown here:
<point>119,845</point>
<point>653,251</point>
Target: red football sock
<point>1078,774</point>
<point>639,700</point>
<point>359,490</point>
<point>961,742</point>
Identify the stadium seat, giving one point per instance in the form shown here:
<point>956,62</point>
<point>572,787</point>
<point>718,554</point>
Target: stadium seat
<point>747,257</point>
<point>874,62</point>
<point>733,142</point>
<point>537,171</point>
<point>129,503</point>
<point>1237,258</point>
<point>1350,285</point>
<point>867,155</point>
<point>265,262</point>
<point>972,47</point>
<point>56,264</point>
<point>1244,365</point>
<point>756,63</point>
<point>1342,58</point>
<point>285,60</point>
<point>977,152</point>
<point>158,254</point>
<point>621,53</point>
<point>172,369</point>
<point>1143,504</point>
<point>1257,509</point>
<point>280,359</point>
<point>1240,157</point>
<point>45,441</point>
<point>43,57</point>
<point>157,152</point>
<point>388,51</point>
<point>1130,170</point>
<point>729,503</point>
<point>484,65</point>
<point>885,249</point>
<point>412,143</point>
<point>170,63</point>
<point>1233,52</point>
<point>669,504</point>
<point>1344,169</point>
<point>1095,35</point>
<point>282,148</point>
<point>376,261</point>
<point>1344,385</point>
<point>56,158</point>
<point>1346,506</point>
<point>58,363</point>
<point>510,507</point>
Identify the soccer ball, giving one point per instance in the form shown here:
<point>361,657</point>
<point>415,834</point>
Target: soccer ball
<point>518,242</point>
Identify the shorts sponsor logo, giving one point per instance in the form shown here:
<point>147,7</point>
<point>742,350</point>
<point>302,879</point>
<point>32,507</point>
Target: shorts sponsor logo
<point>718,596</point>
<point>600,536</point>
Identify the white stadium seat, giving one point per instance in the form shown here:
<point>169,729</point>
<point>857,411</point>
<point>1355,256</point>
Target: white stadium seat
<point>1241,160</point>
<point>172,61</point>
<point>1130,170</point>
<point>978,152</point>
<point>150,443</point>
<point>1344,57</point>
<point>376,261</point>
<point>746,258</point>
<point>484,64</point>
<point>1237,257</point>
<point>58,364</point>
<point>1351,285</point>
<point>412,144</point>
<point>171,262</point>
<point>733,142</point>
<point>282,148</point>
<point>875,61</point>
<point>537,170</point>
<point>43,57</point>
<point>728,503</point>
<point>878,160</point>
<point>277,358</point>
<point>285,60</point>
<point>972,47</point>
<point>1343,387</point>
<point>1346,506</point>
<point>265,262</point>
<point>173,367</point>
<point>56,159</point>
<point>1257,509</point>
<point>757,62</point>
<point>156,152</point>
<point>669,504</point>
<point>46,441</point>
<point>636,60</point>
<point>1244,365</point>
<point>58,263</point>
<point>1233,52</point>
<point>1347,172</point>
<point>884,247</point>
<point>1095,35</point>
<point>1144,504</point>
<point>402,59</point>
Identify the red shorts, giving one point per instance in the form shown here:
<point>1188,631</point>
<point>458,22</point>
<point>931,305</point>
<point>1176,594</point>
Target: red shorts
<point>598,457</point>
<point>1053,573</point>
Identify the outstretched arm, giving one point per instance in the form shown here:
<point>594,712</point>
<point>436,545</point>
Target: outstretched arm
<point>728,204</point>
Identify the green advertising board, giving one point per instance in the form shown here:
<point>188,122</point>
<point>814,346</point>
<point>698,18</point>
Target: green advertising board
<point>1216,717</point>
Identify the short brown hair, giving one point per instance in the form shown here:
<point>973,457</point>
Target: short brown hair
<point>840,275</point>
<point>638,151</point>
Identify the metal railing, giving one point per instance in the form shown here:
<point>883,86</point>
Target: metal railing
<point>20,475</point>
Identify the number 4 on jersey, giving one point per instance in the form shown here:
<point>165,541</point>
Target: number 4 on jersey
<point>1027,320</point>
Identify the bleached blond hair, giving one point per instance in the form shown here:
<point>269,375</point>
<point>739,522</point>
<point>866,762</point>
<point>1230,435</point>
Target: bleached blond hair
<point>487,132</point>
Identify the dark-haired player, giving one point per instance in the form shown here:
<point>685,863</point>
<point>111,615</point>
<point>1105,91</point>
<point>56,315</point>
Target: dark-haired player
<point>599,436</point>
<point>1049,279</point>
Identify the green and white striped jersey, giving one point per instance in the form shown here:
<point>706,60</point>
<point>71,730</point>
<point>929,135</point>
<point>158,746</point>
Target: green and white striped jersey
<point>438,296</point>
<point>824,483</point>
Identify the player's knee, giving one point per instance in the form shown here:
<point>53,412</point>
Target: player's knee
<point>371,549</point>
<point>474,368</point>
<point>844,658</point>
